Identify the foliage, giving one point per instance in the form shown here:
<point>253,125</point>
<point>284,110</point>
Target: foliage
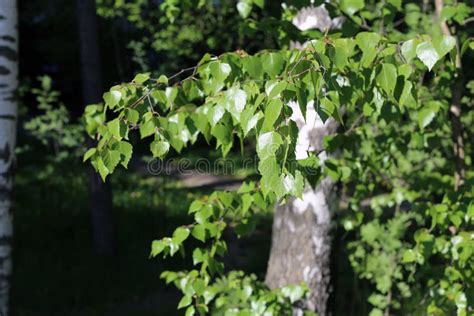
<point>171,39</point>
<point>391,90</point>
<point>53,127</point>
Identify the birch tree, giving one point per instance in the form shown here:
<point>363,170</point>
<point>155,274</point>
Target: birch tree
<point>301,233</point>
<point>8,121</point>
<point>387,93</point>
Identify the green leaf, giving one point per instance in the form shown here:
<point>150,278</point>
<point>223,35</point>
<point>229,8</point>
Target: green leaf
<point>405,70</point>
<point>427,54</point>
<point>408,49</point>
<point>367,42</point>
<point>226,198</point>
<point>169,276</point>
<point>444,44</point>
<point>272,112</point>
<point>195,206</point>
<point>268,167</point>
<point>199,118</point>
<point>203,309</point>
<point>203,214</point>
<point>180,235</point>
<point>293,292</point>
<point>235,100</point>
<point>405,93</point>
<point>212,228</point>
<point>461,304</point>
<point>199,232</point>
<point>342,50</point>
<point>274,88</point>
<point>126,151</point>
<point>148,128</point>
<point>249,120</point>
<point>456,219</point>
<point>273,64</point>
<point>409,256</point>
<point>325,109</point>
<point>163,79</point>
<point>223,134</point>
<point>247,200</point>
<point>173,247</point>
<point>271,181</point>
<point>199,286</point>
<point>103,171</point>
<point>247,187</point>
<point>268,144</point>
<point>293,185</point>
<point>111,159</point>
<point>253,65</point>
<point>112,98</point>
<point>89,154</point>
<point>199,256</point>
<point>425,117</point>
<point>351,6</point>
<point>428,113</point>
<point>159,149</point>
<point>390,50</point>
<point>133,116</point>
<point>302,98</point>
<point>220,71</point>
<point>157,246</point>
<point>114,128</point>
<point>396,3</point>
<point>215,114</point>
<point>141,78</point>
<point>387,78</point>
<point>185,301</point>
<point>244,7</point>
<point>171,93</point>
<point>190,311</point>
<point>259,3</point>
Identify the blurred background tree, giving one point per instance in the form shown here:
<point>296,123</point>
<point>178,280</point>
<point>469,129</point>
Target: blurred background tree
<point>52,185</point>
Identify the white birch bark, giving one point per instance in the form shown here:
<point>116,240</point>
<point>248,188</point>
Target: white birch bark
<point>301,237</point>
<point>8,119</point>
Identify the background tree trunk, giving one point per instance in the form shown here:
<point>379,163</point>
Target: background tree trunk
<point>455,108</point>
<point>8,120</point>
<point>301,236</point>
<point>100,195</point>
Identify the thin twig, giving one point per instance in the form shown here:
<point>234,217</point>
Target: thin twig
<point>183,71</point>
<point>354,125</point>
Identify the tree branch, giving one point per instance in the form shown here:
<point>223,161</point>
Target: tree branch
<point>468,20</point>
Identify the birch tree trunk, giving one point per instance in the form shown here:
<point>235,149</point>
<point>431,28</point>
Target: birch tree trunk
<point>301,236</point>
<point>100,195</point>
<point>8,119</point>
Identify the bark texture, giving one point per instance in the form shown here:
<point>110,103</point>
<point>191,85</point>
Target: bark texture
<point>100,196</point>
<point>8,120</point>
<point>301,237</point>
